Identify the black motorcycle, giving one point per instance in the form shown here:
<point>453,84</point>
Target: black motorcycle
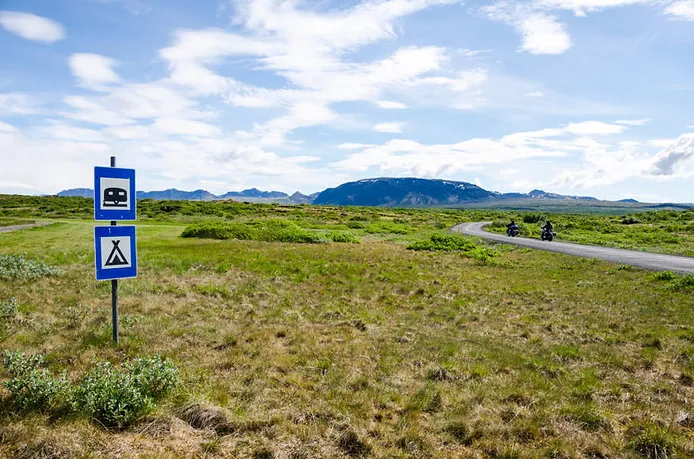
<point>513,231</point>
<point>547,234</point>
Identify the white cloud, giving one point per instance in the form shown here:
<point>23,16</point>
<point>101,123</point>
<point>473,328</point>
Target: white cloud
<point>387,104</point>
<point>669,159</point>
<point>542,34</point>
<point>7,128</point>
<point>682,9</point>
<point>354,146</point>
<point>307,49</point>
<point>640,122</point>
<point>31,27</point>
<point>93,70</point>
<point>186,127</point>
<point>14,103</point>
<point>594,128</point>
<point>580,7</point>
<point>393,127</point>
<point>470,52</point>
<point>661,143</point>
<point>535,94</point>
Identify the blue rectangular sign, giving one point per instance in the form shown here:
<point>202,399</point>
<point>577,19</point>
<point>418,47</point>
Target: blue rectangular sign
<point>114,194</point>
<point>115,252</point>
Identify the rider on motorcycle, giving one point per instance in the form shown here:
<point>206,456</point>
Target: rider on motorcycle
<point>512,227</point>
<point>548,226</point>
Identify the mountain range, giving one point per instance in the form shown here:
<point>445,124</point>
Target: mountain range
<point>250,195</point>
<point>385,191</point>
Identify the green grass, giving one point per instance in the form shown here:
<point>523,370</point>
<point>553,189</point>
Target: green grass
<point>341,350</point>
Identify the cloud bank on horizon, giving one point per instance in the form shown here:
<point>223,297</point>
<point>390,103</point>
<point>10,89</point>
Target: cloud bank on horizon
<point>573,96</point>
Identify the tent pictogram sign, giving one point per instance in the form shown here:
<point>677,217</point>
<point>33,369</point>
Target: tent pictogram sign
<point>116,254</point>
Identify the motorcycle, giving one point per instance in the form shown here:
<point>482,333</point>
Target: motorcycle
<point>513,231</point>
<point>547,235</point>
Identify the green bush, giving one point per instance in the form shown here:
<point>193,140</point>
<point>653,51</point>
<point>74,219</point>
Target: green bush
<point>684,282</point>
<point>154,375</point>
<point>355,225</point>
<point>665,276</point>
<point>533,218</point>
<point>20,268</point>
<point>217,230</point>
<point>389,228</point>
<point>343,236</point>
<point>111,397</point>
<point>450,243</point>
<point>116,398</point>
<point>8,310</point>
<point>32,387</point>
<point>265,230</point>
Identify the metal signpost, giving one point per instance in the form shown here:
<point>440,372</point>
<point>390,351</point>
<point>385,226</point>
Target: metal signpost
<point>115,247</point>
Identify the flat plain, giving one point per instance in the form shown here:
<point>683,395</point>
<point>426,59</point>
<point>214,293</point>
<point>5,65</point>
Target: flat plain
<point>289,344</point>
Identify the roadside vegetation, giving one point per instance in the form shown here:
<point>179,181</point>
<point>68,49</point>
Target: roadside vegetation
<point>413,343</point>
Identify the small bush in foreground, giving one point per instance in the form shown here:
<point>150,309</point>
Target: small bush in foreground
<point>32,387</point>
<point>111,397</point>
<point>117,398</point>
<point>154,375</point>
<point>20,268</point>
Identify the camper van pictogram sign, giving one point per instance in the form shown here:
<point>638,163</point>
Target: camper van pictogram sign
<point>114,194</point>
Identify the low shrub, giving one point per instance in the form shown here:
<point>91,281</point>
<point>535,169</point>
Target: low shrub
<point>533,218</point>
<point>155,375</point>
<point>450,243</point>
<point>21,268</point>
<point>31,386</point>
<point>217,230</point>
<point>683,282</point>
<point>665,276</point>
<point>355,225</point>
<point>111,397</point>
<point>265,230</point>
<point>8,310</point>
<point>343,236</point>
<point>116,398</point>
<point>389,228</point>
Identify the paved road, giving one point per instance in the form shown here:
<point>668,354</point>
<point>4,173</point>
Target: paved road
<point>7,229</point>
<point>647,260</point>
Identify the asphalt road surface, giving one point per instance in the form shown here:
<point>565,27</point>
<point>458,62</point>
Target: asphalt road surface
<point>646,260</point>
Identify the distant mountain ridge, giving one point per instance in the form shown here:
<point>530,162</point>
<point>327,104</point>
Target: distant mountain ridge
<point>415,192</point>
<point>383,191</point>
<point>173,194</point>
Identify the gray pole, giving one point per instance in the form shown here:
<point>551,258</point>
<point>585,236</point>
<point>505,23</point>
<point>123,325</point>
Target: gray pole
<point>114,287</point>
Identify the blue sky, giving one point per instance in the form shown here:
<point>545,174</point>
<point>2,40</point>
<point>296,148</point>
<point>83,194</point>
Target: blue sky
<point>589,97</point>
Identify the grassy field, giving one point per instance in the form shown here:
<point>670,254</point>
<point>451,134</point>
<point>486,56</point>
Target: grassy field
<point>356,349</point>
